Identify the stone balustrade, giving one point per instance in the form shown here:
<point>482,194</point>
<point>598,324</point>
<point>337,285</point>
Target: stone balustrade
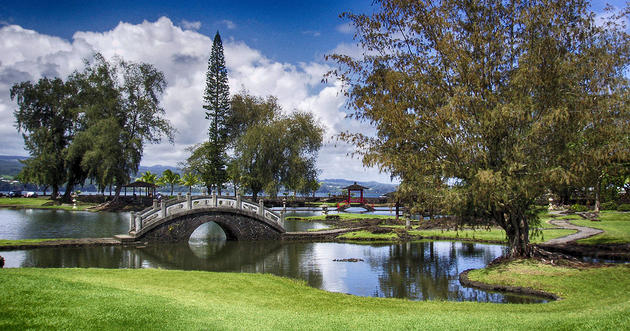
<point>163,209</point>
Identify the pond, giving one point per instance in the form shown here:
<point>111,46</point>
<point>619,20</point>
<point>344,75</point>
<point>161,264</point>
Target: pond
<point>425,270</point>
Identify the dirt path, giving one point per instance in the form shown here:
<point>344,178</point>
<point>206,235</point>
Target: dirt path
<point>582,232</point>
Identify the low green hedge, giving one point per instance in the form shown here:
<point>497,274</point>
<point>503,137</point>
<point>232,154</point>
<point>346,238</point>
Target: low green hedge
<point>610,205</point>
<point>624,207</point>
<point>579,208</point>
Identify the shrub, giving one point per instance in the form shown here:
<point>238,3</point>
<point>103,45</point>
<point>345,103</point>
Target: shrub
<point>624,207</point>
<point>610,205</point>
<point>578,208</point>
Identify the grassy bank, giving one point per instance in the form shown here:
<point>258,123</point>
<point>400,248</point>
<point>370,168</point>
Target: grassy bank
<point>342,216</point>
<point>40,203</point>
<point>616,226</point>
<point>481,235</point>
<point>494,234</point>
<point>7,242</point>
<point>166,299</point>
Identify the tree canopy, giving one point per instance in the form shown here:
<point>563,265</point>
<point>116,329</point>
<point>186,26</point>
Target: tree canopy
<point>484,104</point>
<point>99,121</point>
<point>273,150</point>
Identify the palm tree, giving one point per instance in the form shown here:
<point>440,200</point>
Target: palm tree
<point>190,179</point>
<point>148,177</point>
<point>170,178</point>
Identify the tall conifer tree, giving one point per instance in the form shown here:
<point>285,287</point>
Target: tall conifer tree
<point>217,105</point>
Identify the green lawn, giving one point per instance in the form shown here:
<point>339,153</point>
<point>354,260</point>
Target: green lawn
<point>616,226</point>
<point>152,299</point>
<point>7,242</point>
<point>366,235</point>
<point>491,235</point>
<point>343,216</point>
<point>38,203</point>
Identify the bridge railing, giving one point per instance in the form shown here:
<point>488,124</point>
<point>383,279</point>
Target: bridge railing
<point>158,211</point>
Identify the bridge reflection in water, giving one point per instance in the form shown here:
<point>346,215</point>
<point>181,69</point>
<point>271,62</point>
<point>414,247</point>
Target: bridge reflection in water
<point>417,271</point>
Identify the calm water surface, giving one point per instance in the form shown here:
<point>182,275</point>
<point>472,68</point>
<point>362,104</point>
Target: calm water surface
<point>417,271</point>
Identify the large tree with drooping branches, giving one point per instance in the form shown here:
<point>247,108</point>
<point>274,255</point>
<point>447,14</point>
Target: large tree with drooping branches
<point>484,104</point>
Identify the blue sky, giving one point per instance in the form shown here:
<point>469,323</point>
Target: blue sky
<point>290,31</point>
<point>271,47</point>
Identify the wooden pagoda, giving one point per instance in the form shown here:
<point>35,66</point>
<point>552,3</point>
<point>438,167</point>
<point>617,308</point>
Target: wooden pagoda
<point>355,188</point>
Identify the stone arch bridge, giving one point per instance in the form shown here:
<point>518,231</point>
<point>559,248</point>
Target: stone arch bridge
<point>176,219</point>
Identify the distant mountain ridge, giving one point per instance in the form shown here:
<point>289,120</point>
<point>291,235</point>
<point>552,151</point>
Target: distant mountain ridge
<point>10,165</point>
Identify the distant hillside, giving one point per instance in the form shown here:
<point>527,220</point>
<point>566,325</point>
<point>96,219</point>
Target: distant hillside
<point>10,165</point>
<point>157,169</point>
<point>335,185</point>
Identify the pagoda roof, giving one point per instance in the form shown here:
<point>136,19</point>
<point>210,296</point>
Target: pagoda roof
<point>356,186</point>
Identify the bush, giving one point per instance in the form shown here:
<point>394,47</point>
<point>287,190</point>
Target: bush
<point>624,207</point>
<point>579,208</point>
<point>611,205</point>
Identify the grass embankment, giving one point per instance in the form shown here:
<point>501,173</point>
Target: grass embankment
<point>495,235</point>
<point>7,242</point>
<point>166,299</point>
<point>342,216</point>
<point>40,203</point>
<point>366,235</point>
<point>616,226</point>
<point>481,235</point>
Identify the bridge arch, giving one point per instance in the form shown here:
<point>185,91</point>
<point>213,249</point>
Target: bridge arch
<point>175,220</point>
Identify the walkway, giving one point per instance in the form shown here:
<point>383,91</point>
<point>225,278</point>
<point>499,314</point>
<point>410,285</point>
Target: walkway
<point>582,231</point>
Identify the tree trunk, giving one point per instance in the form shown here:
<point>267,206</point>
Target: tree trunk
<point>598,186</point>
<point>55,192</point>
<point>517,231</point>
<point>254,195</point>
<point>67,195</point>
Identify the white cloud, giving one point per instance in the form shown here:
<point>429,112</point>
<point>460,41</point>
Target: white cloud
<point>228,24</point>
<point>311,33</point>
<point>345,28</point>
<point>351,49</point>
<point>188,25</point>
<point>182,55</point>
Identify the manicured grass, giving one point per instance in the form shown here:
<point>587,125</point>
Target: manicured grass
<point>315,230</point>
<point>494,234</point>
<point>319,204</point>
<point>366,235</point>
<point>616,226</point>
<point>6,242</point>
<point>38,203</point>
<point>151,299</point>
<point>343,216</point>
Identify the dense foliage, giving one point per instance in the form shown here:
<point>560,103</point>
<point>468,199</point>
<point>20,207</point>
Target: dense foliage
<point>486,104</point>
<point>93,126</point>
<point>273,150</point>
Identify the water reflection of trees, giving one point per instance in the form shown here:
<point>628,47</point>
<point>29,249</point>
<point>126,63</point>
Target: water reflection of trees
<point>235,256</point>
<point>84,257</point>
<point>430,270</point>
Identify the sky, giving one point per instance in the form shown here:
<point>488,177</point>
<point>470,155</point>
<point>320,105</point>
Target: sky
<point>271,48</point>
